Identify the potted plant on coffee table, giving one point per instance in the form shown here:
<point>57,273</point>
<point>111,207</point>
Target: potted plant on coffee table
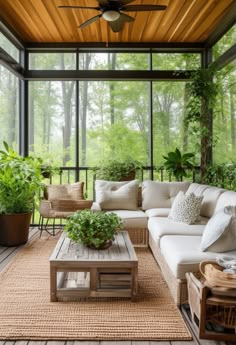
<point>20,183</point>
<point>95,230</point>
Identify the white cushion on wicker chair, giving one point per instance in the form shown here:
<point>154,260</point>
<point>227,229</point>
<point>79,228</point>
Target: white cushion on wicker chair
<point>182,254</point>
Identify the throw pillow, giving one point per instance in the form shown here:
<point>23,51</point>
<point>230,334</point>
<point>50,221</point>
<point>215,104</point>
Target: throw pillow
<point>186,208</point>
<point>71,191</point>
<point>220,232</point>
<point>117,195</point>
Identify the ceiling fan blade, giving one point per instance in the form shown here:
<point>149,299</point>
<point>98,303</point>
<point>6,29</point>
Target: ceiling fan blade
<point>90,21</point>
<point>117,25</point>
<point>139,8</point>
<point>103,2</point>
<point>125,18</point>
<point>123,2</point>
<point>81,7</point>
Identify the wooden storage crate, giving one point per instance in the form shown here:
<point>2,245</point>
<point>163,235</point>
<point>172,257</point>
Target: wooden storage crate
<point>212,308</point>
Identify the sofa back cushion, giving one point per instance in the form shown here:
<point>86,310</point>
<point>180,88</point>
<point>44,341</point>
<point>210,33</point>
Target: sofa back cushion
<point>160,194</point>
<point>227,198</point>
<point>117,195</point>
<point>210,197</point>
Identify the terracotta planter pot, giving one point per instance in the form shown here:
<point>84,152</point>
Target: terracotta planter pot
<point>14,229</point>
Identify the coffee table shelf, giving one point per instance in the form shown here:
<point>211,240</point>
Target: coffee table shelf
<point>78,272</point>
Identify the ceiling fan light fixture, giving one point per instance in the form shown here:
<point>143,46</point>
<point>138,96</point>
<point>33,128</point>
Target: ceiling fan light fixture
<point>111,15</point>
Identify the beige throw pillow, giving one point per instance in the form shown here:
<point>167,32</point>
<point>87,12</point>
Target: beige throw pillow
<point>186,208</point>
<point>73,191</point>
<point>117,195</point>
<point>220,232</point>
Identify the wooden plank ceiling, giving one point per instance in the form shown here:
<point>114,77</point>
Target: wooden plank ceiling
<point>182,21</point>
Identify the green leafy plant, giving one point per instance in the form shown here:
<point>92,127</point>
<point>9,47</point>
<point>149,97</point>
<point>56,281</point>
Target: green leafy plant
<point>20,181</point>
<point>202,92</point>
<point>93,229</point>
<point>117,170</point>
<point>178,164</point>
<point>221,175</point>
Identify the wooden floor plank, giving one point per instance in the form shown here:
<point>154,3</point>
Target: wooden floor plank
<point>10,252</point>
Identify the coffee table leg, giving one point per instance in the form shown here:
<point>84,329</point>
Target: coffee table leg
<point>53,284</point>
<point>134,288</point>
<point>93,279</point>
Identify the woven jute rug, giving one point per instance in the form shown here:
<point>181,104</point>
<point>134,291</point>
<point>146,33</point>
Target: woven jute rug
<point>27,313</point>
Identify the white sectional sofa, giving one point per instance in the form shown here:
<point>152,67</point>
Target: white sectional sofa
<point>175,245</point>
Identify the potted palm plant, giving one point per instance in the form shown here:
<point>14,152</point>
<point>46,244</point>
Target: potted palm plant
<point>20,183</point>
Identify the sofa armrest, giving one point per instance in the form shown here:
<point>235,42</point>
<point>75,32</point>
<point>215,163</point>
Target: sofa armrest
<point>96,207</point>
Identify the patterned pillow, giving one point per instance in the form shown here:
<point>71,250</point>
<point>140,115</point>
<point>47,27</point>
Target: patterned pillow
<point>186,208</point>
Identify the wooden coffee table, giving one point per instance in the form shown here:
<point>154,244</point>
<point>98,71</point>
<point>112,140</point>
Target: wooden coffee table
<point>77,271</point>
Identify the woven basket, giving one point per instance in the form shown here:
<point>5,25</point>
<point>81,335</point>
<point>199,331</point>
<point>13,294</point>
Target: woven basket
<point>214,275</point>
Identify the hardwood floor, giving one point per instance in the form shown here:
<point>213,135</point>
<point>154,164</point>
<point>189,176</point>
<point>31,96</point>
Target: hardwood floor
<point>7,253</point>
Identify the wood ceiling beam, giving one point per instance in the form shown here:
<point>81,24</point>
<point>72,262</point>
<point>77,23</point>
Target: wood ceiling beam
<point>225,24</point>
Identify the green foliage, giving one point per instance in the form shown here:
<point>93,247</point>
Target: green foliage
<point>202,88</point>
<point>178,164</point>
<point>93,229</point>
<point>20,181</point>
<point>116,170</point>
<point>221,175</point>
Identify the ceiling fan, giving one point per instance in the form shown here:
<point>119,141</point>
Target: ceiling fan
<point>112,11</point>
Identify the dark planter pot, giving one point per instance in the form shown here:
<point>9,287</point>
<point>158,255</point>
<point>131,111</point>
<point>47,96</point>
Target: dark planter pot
<point>129,177</point>
<point>14,229</point>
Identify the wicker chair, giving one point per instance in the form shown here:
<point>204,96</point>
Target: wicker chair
<point>59,202</point>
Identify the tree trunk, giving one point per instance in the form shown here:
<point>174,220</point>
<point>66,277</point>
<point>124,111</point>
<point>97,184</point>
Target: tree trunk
<point>11,86</point>
<point>233,120</point>
<point>112,66</point>
<point>67,91</point>
<point>206,135</point>
<point>83,113</point>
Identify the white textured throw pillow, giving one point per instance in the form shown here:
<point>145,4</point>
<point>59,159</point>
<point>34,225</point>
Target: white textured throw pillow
<point>220,232</point>
<point>186,208</point>
<point>117,195</point>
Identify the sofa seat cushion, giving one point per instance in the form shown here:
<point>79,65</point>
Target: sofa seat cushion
<point>160,226</point>
<point>182,254</point>
<point>132,219</point>
<point>158,212</point>
<point>160,194</point>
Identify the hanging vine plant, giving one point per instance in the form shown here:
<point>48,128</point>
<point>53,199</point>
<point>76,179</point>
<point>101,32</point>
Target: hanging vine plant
<point>202,91</point>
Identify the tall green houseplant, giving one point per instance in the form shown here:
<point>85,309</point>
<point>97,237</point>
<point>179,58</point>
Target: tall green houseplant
<point>20,183</point>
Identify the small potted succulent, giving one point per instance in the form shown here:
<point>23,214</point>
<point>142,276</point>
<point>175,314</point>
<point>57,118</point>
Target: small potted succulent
<point>95,230</point>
